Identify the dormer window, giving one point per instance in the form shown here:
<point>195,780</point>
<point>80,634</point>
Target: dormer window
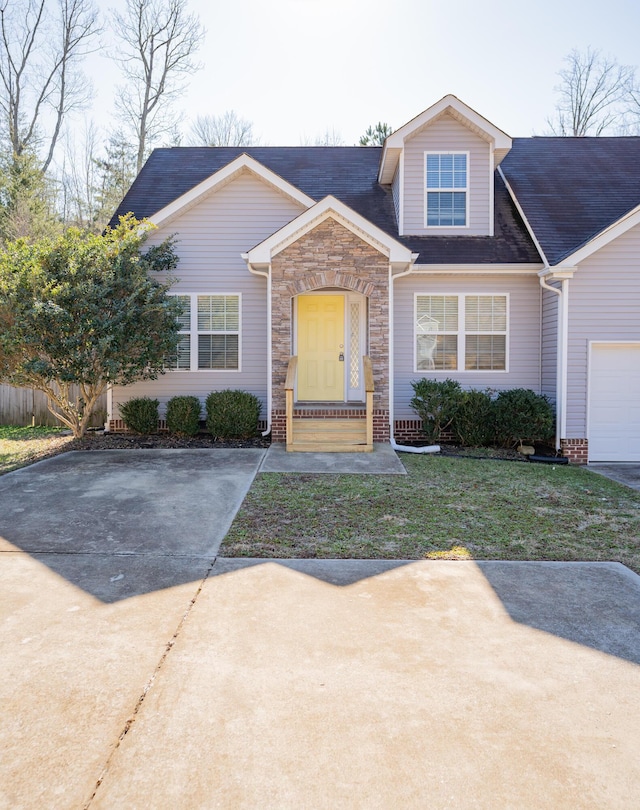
<point>447,186</point>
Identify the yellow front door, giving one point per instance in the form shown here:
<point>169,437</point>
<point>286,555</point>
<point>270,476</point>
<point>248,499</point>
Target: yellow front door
<point>321,348</point>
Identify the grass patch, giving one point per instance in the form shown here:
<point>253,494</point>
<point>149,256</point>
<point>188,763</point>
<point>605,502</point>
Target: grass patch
<point>445,508</point>
<point>20,446</point>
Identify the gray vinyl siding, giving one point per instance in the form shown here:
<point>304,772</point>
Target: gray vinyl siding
<point>395,192</point>
<point>523,334</point>
<point>211,238</point>
<point>447,135</point>
<point>604,305</point>
<point>549,343</point>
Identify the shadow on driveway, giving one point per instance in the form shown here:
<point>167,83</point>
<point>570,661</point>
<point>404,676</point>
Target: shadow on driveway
<point>120,523</point>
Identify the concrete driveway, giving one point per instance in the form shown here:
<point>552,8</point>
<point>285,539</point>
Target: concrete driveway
<point>144,676</point>
<point>626,473</point>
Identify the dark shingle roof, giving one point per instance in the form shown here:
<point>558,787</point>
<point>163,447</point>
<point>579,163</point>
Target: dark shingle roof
<point>571,189</point>
<point>348,173</point>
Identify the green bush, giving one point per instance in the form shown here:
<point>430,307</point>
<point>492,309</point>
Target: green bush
<point>522,417</point>
<point>436,403</point>
<point>183,415</point>
<point>474,421</point>
<point>140,414</point>
<point>232,414</point>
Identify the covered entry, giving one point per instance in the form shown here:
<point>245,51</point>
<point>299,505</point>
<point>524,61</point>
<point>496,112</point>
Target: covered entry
<point>330,341</point>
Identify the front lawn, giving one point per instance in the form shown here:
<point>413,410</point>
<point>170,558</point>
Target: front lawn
<point>20,446</point>
<point>445,508</point>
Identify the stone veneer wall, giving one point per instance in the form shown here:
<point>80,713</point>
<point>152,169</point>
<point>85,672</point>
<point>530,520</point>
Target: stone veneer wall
<point>330,256</point>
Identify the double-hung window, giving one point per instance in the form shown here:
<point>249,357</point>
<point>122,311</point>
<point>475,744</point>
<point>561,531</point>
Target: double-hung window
<point>446,189</point>
<point>461,332</point>
<point>209,333</point>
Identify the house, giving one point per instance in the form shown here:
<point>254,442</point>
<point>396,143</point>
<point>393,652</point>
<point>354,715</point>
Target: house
<point>325,279</point>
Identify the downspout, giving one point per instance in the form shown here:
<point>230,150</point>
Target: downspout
<point>267,275</point>
<point>561,355</point>
<point>433,448</point>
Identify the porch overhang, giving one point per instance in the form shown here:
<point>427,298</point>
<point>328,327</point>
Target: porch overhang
<point>260,257</point>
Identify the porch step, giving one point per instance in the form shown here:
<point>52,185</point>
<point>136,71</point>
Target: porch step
<point>329,436</point>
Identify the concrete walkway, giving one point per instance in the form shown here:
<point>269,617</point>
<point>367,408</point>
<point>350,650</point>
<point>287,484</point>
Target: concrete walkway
<point>156,680</point>
<point>383,461</point>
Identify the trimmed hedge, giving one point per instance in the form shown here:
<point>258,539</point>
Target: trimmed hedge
<point>232,414</point>
<point>480,418</point>
<point>522,417</point>
<point>436,403</point>
<point>183,415</point>
<point>140,415</point>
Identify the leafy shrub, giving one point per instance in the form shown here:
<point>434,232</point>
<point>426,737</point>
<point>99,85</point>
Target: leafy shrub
<point>474,421</point>
<point>522,417</point>
<point>436,403</point>
<point>140,414</point>
<point>183,415</point>
<point>232,414</point>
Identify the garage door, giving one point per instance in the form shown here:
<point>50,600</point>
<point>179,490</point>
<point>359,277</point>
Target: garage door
<point>614,402</point>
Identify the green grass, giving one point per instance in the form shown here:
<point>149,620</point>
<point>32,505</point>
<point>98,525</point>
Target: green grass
<point>450,508</point>
<point>20,446</point>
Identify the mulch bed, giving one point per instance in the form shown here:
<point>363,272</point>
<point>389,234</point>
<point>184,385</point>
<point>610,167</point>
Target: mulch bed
<point>127,441</point>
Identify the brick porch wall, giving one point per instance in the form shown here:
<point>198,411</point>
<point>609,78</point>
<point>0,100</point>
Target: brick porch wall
<point>576,450</point>
<point>330,256</point>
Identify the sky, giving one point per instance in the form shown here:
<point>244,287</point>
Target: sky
<point>296,68</point>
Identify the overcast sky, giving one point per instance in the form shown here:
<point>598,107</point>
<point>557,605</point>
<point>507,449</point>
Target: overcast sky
<point>297,67</point>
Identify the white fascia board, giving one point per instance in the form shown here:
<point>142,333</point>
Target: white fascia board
<point>327,208</point>
<point>395,142</point>
<point>613,231</point>
<point>478,269</point>
<point>220,178</point>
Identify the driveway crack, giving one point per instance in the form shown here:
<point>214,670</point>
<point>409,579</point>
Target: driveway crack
<point>131,720</point>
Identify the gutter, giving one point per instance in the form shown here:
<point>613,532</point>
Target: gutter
<point>432,448</point>
<point>266,274</point>
<point>562,346</point>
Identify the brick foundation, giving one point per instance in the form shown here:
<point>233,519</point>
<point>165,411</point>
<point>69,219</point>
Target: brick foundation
<point>576,450</point>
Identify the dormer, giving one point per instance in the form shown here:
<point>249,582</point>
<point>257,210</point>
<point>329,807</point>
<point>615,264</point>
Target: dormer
<point>441,170</point>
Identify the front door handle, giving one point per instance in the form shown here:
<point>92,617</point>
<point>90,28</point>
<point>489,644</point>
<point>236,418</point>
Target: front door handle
<point>341,357</point>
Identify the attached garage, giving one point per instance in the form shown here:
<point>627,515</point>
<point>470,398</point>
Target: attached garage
<point>614,402</point>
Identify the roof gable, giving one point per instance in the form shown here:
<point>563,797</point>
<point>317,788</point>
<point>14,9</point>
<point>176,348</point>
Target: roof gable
<point>451,105</point>
<point>243,163</point>
<point>329,207</point>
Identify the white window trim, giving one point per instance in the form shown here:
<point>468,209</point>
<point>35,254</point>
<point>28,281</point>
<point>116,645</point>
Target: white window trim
<point>461,335</point>
<point>466,226</point>
<point>193,332</point>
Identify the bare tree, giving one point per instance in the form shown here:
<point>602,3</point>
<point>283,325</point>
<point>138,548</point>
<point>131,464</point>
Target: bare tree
<point>40,54</point>
<point>227,129</point>
<point>330,137</point>
<point>593,94</point>
<point>158,40</point>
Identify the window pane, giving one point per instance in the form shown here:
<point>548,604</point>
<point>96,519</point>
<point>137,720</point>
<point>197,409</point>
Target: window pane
<point>218,351</point>
<point>436,352</point>
<point>486,313</point>
<point>437,313</point>
<point>460,171</point>
<point>184,319</point>
<point>218,313</point>
<point>182,358</point>
<point>446,208</point>
<point>485,352</point>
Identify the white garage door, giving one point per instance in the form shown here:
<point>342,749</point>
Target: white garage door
<point>614,402</point>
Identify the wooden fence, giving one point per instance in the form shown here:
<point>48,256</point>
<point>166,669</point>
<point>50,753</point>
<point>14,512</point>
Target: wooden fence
<point>25,406</point>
